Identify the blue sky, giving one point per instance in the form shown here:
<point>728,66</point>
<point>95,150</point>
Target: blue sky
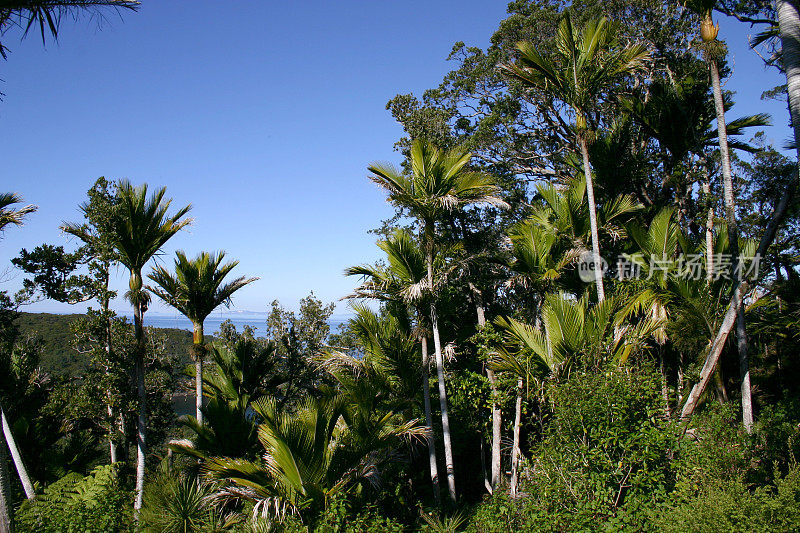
<point>263,115</point>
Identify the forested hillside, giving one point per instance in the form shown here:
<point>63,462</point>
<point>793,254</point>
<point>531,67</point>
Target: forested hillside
<point>58,348</point>
<point>583,311</point>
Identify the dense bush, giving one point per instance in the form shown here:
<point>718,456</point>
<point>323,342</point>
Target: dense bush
<point>92,504</point>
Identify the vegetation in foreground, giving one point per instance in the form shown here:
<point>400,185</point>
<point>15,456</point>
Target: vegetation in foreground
<point>495,376</point>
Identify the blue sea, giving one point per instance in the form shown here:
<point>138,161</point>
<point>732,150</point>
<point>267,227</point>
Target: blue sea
<point>211,325</point>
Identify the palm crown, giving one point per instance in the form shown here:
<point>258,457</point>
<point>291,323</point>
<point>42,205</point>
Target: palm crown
<point>9,215</point>
<point>582,67</point>
<point>141,226</point>
<point>197,287</point>
<point>438,182</point>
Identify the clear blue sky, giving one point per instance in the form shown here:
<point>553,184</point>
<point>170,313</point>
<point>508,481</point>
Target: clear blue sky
<point>263,115</point>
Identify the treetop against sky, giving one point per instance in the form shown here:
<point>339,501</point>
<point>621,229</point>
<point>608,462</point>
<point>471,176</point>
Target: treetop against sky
<point>264,116</point>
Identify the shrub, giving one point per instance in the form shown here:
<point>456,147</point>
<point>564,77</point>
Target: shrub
<point>180,503</point>
<point>729,505</point>
<point>92,504</point>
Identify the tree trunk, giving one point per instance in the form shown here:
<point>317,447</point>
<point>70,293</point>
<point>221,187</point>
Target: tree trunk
<point>515,446</point>
<point>22,472</point>
<point>712,358</point>
<point>715,351</point>
<point>112,442</point>
<point>709,230</point>
<point>733,238</point>
<point>789,24</point>
<point>112,445</point>
<point>141,426</point>
<point>437,345</point>
<point>448,448</point>
<point>426,393</point>
<point>497,417</point>
<point>5,489</point>
<point>664,384</point>
<point>198,349</point>
<point>598,265</point>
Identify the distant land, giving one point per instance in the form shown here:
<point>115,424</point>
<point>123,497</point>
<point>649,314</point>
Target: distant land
<point>59,356</point>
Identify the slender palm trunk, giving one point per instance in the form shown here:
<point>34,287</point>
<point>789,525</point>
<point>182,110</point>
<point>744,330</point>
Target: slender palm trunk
<point>497,420</point>
<point>198,349</point>
<point>141,426</point>
<point>426,394</point>
<point>112,441</point>
<point>733,233</point>
<point>16,456</point>
<point>664,383</point>
<point>598,265</point>
<point>515,446</point>
<point>112,445</point>
<point>740,289</point>
<point>5,489</point>
<point>709,230</point>
<point>437,345</point>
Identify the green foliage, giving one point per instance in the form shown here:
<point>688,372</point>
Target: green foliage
<point>730,505</point>
<point>178,503</point>
<point>604,459</point>
<point>339,518</point>
<point>75,504</point>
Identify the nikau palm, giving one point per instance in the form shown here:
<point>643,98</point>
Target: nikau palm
<point>584,66</point>
<point>10,215</point>
<point>309,457</point>
<point>195,290</point>
<point>139,229</point>
<point>438,184</point>
<point>401,282</point>
<point>713,49</point>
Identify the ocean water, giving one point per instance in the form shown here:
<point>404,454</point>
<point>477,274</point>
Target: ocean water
<point>211,325</point>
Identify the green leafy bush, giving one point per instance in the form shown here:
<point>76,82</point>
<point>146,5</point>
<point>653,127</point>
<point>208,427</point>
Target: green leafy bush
<point>92,504</point>
<point>179,503</point>
<point>729,505</point>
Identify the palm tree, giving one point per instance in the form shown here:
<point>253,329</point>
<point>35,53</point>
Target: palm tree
<point>11,216</point>
<point>140,227</point>
<point>195,290</point>
<point>240,374</point>
<point>569,328</point>
<point>402,282</point>
<point>713,50</point>
<point>584,65</point>
<point>310,456</point>
<point>438,184</point>
<point>47,14</point>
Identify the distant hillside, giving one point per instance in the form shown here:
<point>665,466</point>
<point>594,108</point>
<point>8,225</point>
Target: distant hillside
<point>58,353</point>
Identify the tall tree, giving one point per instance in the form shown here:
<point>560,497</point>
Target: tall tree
<point>582,68</point>
<point>8,216</point>
<point>140,228</point>
<point>400,282</point>
<point>438,184</point>
<point>195,290</point>
<point>714,50</point>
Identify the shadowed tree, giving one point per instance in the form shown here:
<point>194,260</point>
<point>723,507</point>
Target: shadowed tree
<point>438,184</point>
<point>8,216</point>
<point>581,70</point>
<point>195,290</point>
<point>140,227</point>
